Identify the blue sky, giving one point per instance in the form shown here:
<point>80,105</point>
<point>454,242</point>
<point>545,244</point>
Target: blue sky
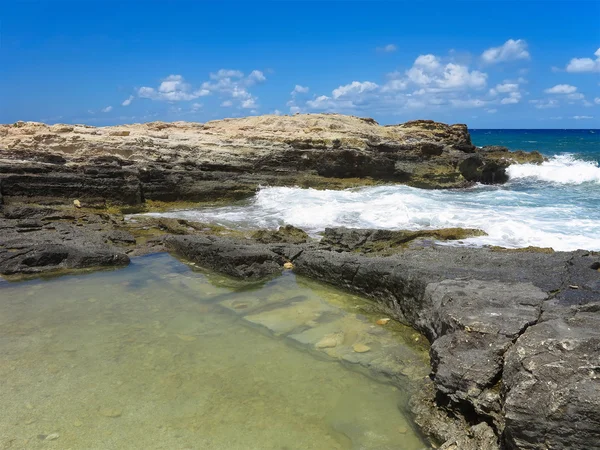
<point>490,64</point>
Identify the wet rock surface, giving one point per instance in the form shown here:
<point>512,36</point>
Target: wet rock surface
<point>36,240</point>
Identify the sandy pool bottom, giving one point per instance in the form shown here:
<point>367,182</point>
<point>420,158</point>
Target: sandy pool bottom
<point>148,357</point>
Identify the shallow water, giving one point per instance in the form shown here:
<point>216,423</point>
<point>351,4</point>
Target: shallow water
<point>160,356</point>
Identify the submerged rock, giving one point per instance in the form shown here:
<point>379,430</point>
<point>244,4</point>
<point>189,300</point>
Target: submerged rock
<point>361,348</point>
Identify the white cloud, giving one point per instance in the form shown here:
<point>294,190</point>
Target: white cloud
<point>585,64</point>
<point>513,97</point>
<point>468,103</point>
<point>256,76</point>
<point>582,117</point>
<point>128,101</point>
<point>107,109</point>
<point>597,100</point>
<point>172,89</point>
<point>276,112</point>
<point>196,107</point>
<point>511,50</point>
<point>492,110</point>
<point>504,88</point>
<point>457,76</point>
<point>561,89</point>
<point>389,48</point>
<point>356,87</point>
<point>300,89</point>
<point>430,62</point>
<point>249,103</point>
<point>224,83</point>
<point>430,83</point>
<point>226,73</point>
<point>544,104</point>
<point>428,71</point>
<point>394,86</point>
<point>576,96</point>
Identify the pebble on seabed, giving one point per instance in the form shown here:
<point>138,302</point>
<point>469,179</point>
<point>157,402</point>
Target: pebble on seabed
<point>361,348</point>
<point>52,437</point>
<point>330,340</point>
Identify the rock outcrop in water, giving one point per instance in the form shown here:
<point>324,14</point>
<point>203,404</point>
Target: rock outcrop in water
<point>229,159</point>
<point>36,240</point>
<point>515,343</point>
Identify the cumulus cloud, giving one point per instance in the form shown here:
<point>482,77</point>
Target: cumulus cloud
<point>229,83</point>
<point>389,48</point>
<point>597,100</point>
<point>233,84</point>
<point>561,89</point>
<point>428,71</point>
<point>504,88</point>
<point>128,101</point>
<point>513,97</point>
<point>196,107</point>
<point>356,87</point>
<point>544,104</point>
<point>578,65</point>
<point>172,89</point>
<point>300,89</point>
<point>430,82</point>
<point>107,109</point>
<point>226,73</point>
<point>256,76</point>
<point>249,103</point>
<point>511,50</point>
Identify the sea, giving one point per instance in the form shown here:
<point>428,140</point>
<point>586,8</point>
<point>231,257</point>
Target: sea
<point>555,204</point>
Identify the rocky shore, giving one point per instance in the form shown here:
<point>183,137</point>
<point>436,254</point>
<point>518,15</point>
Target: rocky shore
<point>515,347</point>
<point>230,159</point>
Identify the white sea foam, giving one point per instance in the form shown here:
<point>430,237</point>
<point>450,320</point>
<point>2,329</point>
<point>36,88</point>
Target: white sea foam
<point>561,169</point>
<point>512,218</point>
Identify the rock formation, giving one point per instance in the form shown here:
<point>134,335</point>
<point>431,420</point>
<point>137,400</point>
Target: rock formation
<point>514,339</point>
<point>230,158</point>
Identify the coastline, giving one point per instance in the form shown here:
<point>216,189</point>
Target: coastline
<point>512,333</point>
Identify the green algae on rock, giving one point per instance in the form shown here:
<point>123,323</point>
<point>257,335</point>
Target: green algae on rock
<point>389,241</point>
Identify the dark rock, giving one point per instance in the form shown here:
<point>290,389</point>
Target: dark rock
<point>36,243</point>
<point>551,384</point>
<point>382,241</point>
<point>287,234</point>
<point>235,258</point>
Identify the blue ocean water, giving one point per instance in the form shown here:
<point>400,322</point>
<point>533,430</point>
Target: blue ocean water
<point>555,204</point>
<point>584,144</point>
